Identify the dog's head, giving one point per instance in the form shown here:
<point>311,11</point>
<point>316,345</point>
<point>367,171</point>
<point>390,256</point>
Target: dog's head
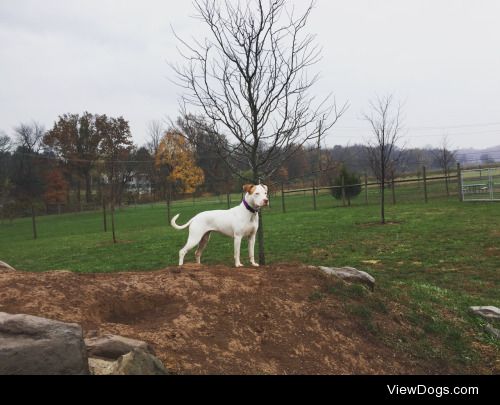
<point>256,195</point>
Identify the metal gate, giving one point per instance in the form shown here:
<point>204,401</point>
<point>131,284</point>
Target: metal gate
<point>481,184</point>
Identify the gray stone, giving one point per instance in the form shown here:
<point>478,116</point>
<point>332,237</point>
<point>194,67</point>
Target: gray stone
<point>34,345</point>
<point>138,362</point>
<point>493,331</point>
<point>350,274</point>
<point>114,346</point>
<point>101,366</point>
<point>488,312</point>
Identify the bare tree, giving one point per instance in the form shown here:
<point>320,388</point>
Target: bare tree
<point>338,112</point>
<point>30,136</point>
<point>386,126</point>
<point>27,178</point>
<point>156,130</point>
<point>445,159</point>
<point>5,142</point>
<point>250,79</point>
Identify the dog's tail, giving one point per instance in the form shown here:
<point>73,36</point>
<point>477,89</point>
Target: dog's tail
<point>172,222</point>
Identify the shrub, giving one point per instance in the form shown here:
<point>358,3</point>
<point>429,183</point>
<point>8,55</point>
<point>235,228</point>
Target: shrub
<point>352,185</point>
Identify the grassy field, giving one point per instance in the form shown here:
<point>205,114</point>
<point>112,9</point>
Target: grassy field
<point>431,262</point>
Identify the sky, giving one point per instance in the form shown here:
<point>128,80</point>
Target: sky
<point>440,58</point>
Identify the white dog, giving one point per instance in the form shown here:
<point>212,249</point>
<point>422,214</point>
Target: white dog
<point>238,222</point>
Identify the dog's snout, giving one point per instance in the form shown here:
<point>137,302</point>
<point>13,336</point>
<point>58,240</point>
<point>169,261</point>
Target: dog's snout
<point>266,201</point>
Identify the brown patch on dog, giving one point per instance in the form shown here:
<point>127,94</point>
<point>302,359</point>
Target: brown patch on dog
<point>249,188</point>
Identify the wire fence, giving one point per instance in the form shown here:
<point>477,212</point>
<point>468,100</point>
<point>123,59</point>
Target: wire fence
<point>417,189</point>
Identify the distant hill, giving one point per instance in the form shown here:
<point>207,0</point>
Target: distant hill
<point>479,156</point>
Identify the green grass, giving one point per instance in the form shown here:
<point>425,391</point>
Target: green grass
<point>432,261</point>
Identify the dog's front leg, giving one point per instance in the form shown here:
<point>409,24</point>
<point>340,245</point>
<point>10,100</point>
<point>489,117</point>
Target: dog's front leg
<point>237,245</point>
<point>251,250</point>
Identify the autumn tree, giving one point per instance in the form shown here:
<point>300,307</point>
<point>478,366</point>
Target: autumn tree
<point>56,188</point>
<point>76,139</point>
<point>114,149</point>
<point>177,155</point>
<point>250,77</point>
<point>218,175</point>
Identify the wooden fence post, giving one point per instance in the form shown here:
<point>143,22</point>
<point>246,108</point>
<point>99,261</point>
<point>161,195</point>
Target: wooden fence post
<point>425,183</point>
<point>366,189</point>
<point>446,177</point>
<point>33,220</point>
<point>169,197</point>
<point>282,198</point>
<point>393,189</point>
<point>104,213</point>
<point>343,191</point>
<point>314,195</point>
<point>459,183</point>
<point>228,201</point>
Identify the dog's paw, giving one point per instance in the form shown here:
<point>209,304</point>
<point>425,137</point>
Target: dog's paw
<point>255,264</point>
<point>238,265</point>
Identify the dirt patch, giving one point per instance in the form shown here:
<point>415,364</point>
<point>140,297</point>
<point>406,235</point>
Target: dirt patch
<point>216,319</point>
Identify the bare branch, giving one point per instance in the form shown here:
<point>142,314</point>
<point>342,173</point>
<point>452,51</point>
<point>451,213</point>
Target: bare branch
<point>250,80</point>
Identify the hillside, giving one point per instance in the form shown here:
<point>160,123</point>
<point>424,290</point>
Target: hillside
<point>283,319</point>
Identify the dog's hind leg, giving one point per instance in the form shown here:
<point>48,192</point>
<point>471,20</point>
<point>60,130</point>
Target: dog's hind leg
<point>202,245</point>
<point>192,241</point>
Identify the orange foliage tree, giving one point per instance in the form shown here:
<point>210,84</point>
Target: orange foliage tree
<point>177,155</point>
<point>56,187</point>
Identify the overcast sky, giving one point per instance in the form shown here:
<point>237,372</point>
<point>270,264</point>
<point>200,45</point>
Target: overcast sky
<point>440,57</point>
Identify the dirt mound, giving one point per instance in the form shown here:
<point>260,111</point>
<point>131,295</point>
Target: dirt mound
<point>213,319</point>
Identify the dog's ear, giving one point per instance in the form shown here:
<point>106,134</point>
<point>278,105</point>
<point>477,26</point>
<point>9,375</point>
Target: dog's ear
<point>248,188</point>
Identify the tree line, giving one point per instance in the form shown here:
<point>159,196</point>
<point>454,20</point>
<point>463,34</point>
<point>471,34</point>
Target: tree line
<point>88,159</point>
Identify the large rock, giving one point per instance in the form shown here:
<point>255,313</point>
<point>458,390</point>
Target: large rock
<point>136,362</point>
<point>350,274</point>
<point>114,346</point>
<point>488,312</point>
<point>101,366</point>
<point>34,345</point>
<point>493,331</point>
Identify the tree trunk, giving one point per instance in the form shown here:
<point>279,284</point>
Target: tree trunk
<point>88,190</point>
<point>33,220</point>
<point>260,240</point>
<point>113,203</point>
<point>104,214</point>
<point>446,174</point>
<point>79,195</point>
<point>169,197</point>
<point>113,220</point>
<point>382,194</point>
